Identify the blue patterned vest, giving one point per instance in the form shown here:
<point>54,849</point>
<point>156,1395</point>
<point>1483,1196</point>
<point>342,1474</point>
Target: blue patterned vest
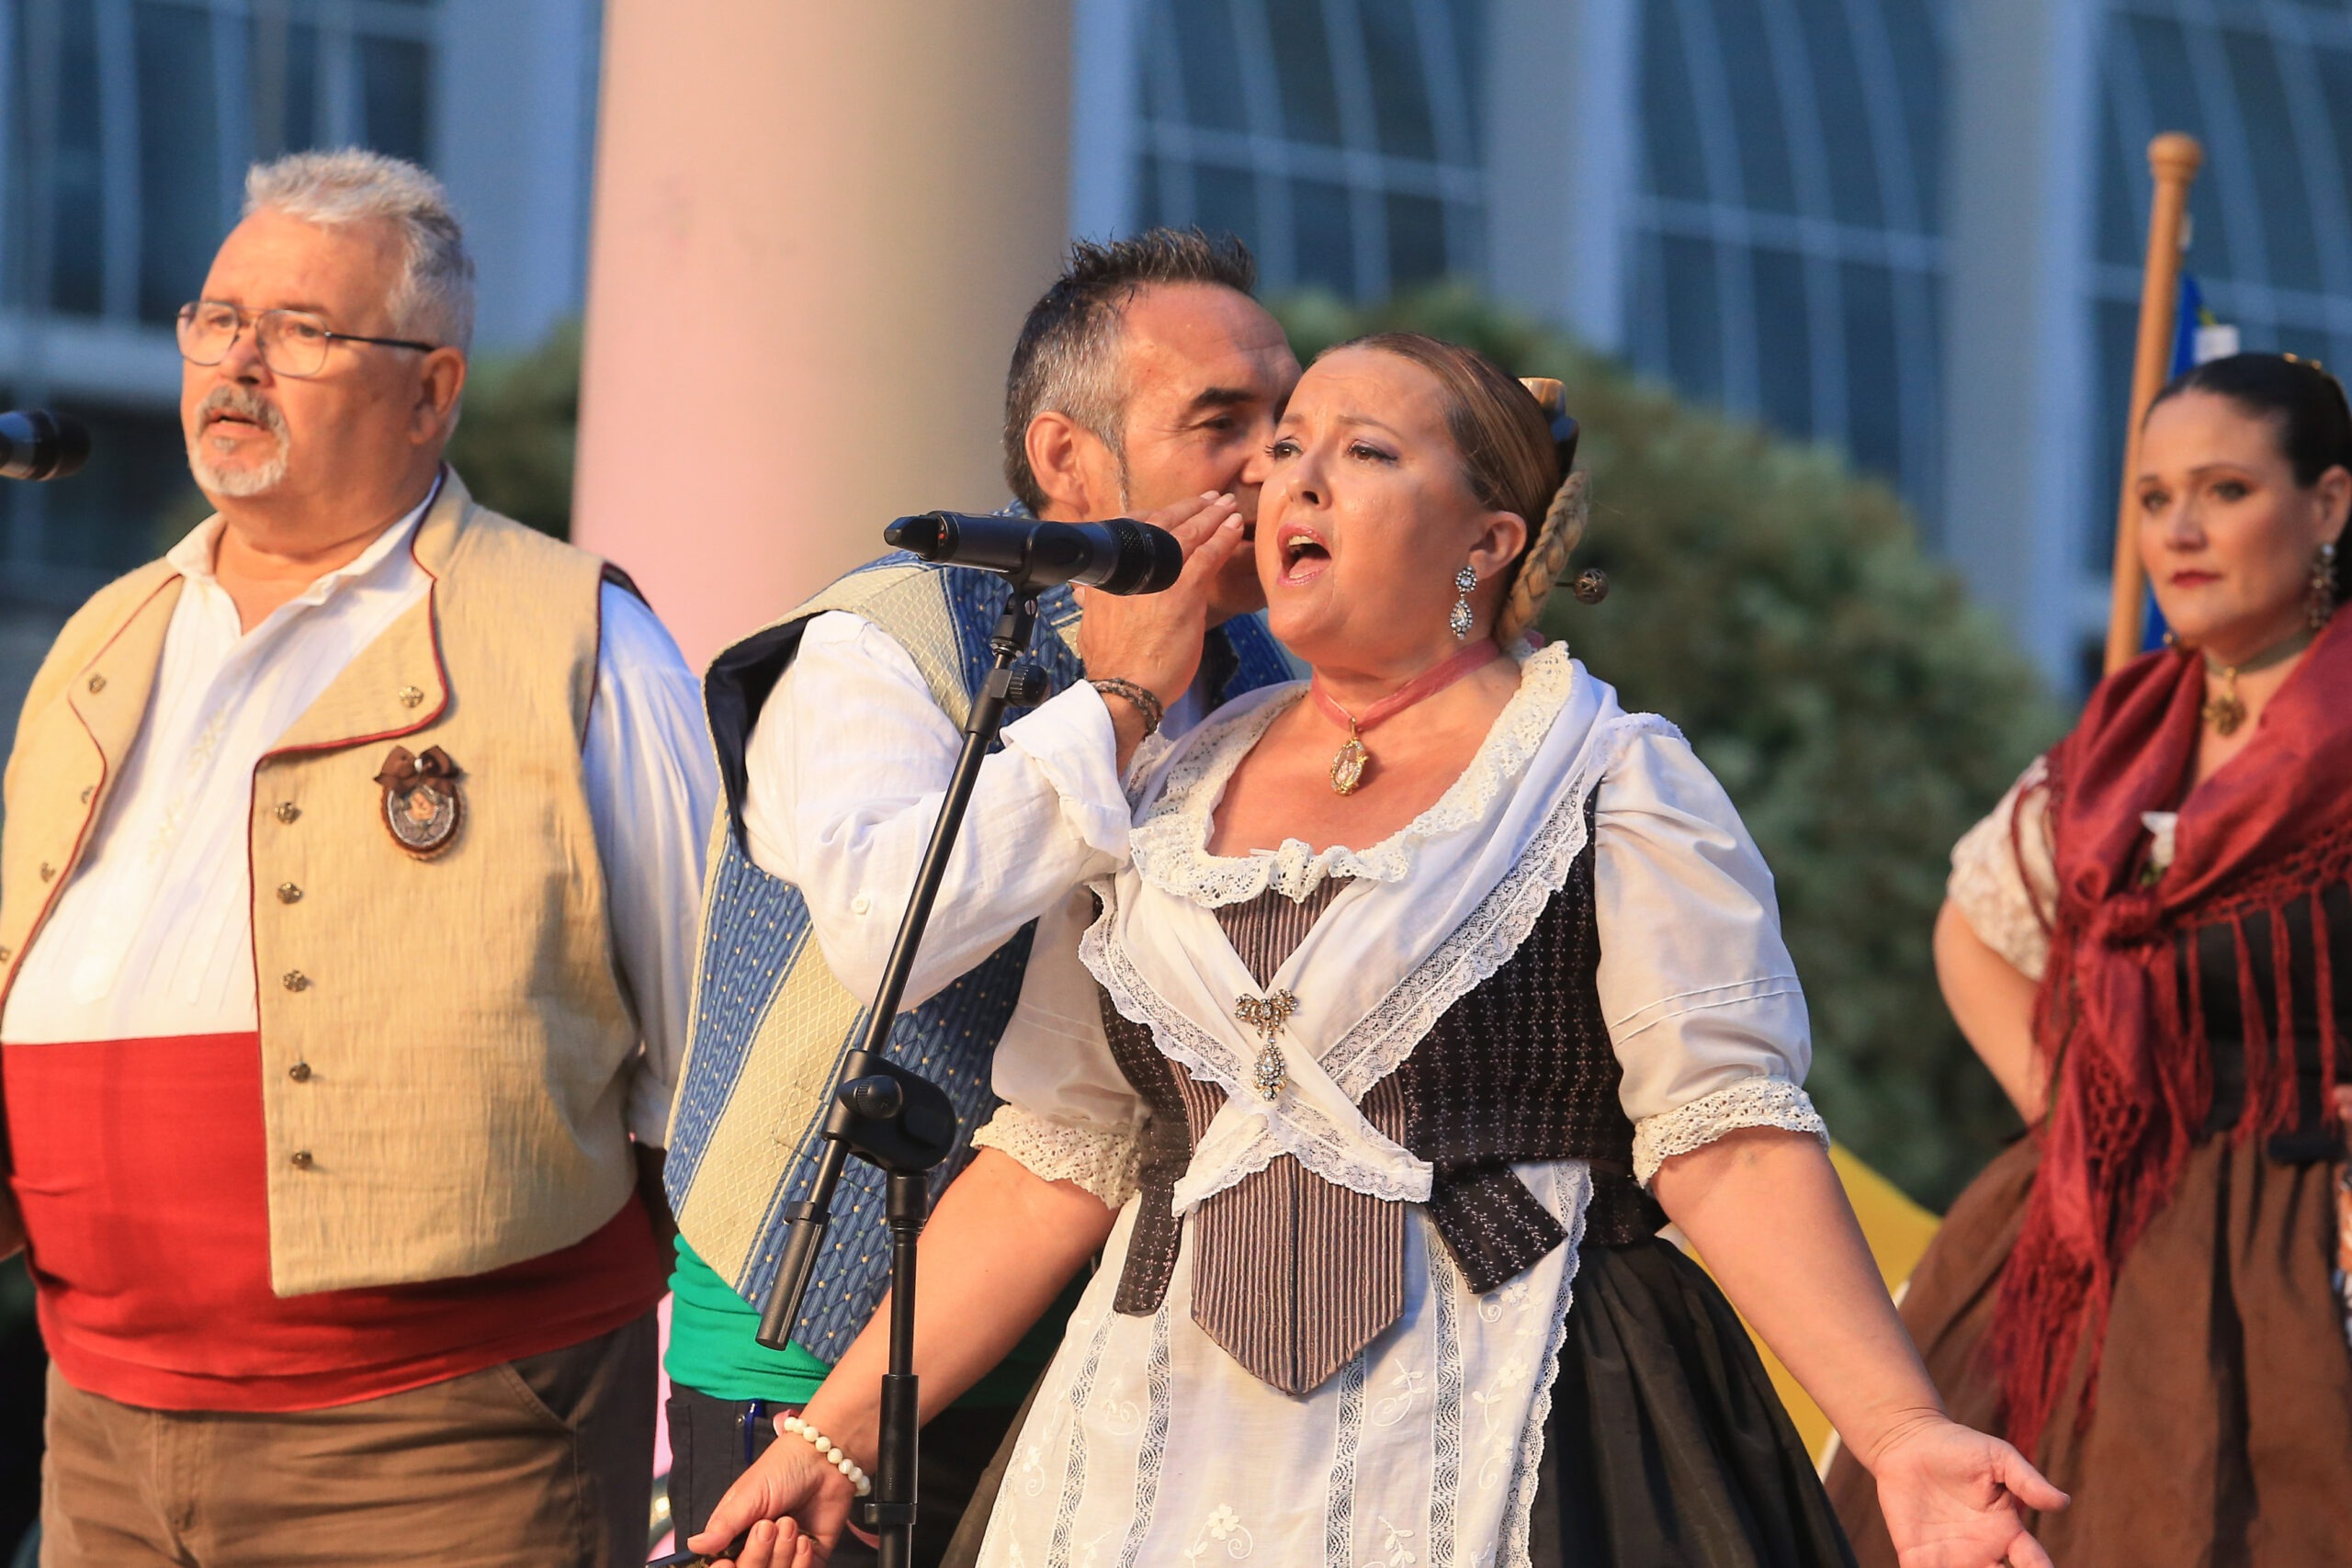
<point>769,1017</point>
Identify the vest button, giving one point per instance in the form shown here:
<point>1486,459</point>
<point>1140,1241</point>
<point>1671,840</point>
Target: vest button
<point>411,696</point>
<point>87,791</point>
<point>47,871</point>
<point>288,811</point>
<point>289,894</point>
<point>299,1072</point>
<point>295,980</point>
<point>300,1159</point>
<point>6,954</point>
<point>97,684</point>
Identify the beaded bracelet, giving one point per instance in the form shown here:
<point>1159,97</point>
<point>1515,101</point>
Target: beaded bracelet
<point>1151,706</point>
<point>850,1469</point>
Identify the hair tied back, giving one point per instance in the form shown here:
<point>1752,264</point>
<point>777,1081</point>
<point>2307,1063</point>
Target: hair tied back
<point>1563,527</point>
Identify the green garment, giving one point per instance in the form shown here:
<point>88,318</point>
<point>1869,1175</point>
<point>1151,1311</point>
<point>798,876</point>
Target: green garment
<point>714,1348</point>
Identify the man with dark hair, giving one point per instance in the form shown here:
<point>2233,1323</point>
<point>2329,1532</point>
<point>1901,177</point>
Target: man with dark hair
<point>1142,382</point>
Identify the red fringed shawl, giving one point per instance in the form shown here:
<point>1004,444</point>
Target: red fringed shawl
<point>2117,1011</point>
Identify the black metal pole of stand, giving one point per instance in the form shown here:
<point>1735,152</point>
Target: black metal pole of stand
<point>893,1118</point>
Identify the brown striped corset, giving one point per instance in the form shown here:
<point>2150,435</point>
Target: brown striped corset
<point>1292,1274</point>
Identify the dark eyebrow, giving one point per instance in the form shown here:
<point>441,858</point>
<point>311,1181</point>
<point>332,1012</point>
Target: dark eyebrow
<point>1221,398</point>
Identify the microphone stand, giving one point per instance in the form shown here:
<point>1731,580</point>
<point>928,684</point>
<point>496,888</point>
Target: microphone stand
<point>897,1121</point>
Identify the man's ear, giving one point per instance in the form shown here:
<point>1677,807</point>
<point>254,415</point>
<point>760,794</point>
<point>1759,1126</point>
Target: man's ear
<point>1073,468</point>
<point>436,395</point>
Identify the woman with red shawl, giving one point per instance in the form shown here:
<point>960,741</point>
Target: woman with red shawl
<point>2149,943</point>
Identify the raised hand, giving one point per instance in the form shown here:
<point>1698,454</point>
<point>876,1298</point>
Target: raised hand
<point>1956,1499</point>
<point>793,1504</point>
<point>1154,639</point>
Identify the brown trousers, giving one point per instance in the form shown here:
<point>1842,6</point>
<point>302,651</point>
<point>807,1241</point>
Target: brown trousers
<point>545,1462</point>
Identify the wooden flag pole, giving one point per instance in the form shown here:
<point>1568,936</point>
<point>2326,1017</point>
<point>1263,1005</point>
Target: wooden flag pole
<point>2173,159</point>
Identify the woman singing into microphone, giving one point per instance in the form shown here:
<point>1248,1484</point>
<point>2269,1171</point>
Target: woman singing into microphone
<point>1430,981</point>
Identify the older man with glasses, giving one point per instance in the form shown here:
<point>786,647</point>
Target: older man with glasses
<point>351,864</point>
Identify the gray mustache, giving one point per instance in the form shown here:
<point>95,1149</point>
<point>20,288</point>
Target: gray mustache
<point>245,403</point>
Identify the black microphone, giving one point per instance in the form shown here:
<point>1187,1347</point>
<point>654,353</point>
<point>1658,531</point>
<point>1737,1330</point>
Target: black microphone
<point>1121,556</point>
<point>38,445</point>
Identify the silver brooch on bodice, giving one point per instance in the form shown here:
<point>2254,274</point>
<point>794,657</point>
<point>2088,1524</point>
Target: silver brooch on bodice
<point>1267,1015</point>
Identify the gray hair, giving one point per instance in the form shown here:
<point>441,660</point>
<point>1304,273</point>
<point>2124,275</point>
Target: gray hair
<point>1069,357</point>
<point>435,298</point>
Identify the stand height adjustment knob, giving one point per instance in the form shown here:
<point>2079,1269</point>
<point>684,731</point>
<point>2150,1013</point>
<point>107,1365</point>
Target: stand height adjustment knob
<point>1026,687</point>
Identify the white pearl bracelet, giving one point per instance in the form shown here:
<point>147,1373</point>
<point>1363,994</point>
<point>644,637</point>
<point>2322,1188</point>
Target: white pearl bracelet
<point>849,1467</point>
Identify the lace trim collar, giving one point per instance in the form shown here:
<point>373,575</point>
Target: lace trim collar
<point>1170,843</point>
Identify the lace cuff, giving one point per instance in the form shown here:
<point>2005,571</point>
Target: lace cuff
<point>1100,1159</point>
<point>1757,1101</point>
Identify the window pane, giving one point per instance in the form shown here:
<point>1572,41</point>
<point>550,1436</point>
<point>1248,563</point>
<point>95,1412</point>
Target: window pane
<point>1676,165</point>
<point>1211,63</point>
<point>2122,227</point>
<point>1416,240</point>
<point>1400,93</point>
<point>1324,235</point>
<point>180,221</point>
<point>1848,139</point>
<point>1766,182</point>
<point>2163,62</point>
<point>1694,325</point>
<point>2286,201</point>
<point>1149,211</point>
<point>2336,90</point>
<point>1913,39</point>
<point>392,76</point>
<point>1783,342</point>
<point>1874,391</point>
<point>282,64</point>
<point>1303,68</point>
<point>1225,201</point>
<point>77,209</point>
<point>1468,19</point>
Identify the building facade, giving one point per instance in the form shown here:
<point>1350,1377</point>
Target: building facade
<point>1908,228</point>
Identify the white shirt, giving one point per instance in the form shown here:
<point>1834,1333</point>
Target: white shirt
<point>1146,1440</point>
<point>846,770</point>
<point>153,935</point>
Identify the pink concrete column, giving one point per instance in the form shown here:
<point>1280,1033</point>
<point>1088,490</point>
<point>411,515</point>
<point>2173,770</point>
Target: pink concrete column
<point>817,225</point>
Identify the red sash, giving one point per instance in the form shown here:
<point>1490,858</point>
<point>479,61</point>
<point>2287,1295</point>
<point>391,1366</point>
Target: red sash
<point>140,1167</point>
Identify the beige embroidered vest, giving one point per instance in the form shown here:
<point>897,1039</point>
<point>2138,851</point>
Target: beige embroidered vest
<point>446,1045</point>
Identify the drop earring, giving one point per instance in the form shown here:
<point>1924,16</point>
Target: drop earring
<point>1463,580</point>
<point>2319,598</point>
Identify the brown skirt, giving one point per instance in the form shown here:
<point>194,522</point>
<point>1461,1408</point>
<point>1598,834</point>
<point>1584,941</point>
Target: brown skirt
<point>2222,1430</point>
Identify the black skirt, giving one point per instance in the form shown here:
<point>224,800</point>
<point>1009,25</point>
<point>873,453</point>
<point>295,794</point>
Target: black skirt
<point>1667,1447</point>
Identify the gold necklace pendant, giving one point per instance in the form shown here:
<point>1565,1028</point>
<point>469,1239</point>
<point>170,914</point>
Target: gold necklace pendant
<point>1346,768</point>
<point>2226,711</point>
<point>1267,1015</point>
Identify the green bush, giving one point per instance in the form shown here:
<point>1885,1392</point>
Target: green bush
<point>1779,608</point>
<point>518,431</point>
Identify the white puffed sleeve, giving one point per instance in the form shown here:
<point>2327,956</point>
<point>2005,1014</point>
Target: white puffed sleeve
<point>1696,986</point>
<point>2004,877</point>
<point>1069,1113</point>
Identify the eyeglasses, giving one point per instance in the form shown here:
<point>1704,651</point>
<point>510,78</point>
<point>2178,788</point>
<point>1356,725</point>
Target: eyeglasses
<point>292,343</point>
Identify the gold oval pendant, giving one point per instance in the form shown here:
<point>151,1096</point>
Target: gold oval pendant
<point>1346,768</point>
